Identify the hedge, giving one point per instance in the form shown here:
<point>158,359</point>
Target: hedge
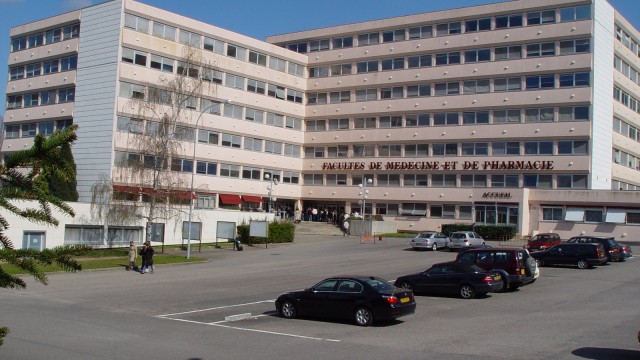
<point>488,232</point>
<point>278,232</point>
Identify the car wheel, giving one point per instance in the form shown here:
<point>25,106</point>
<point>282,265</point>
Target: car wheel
<point>434,247</point>
<point>406,285</point>
<point>288,310</point>
<point>363,316</point>
<point>540,262</point>
<point>467,291</point>
<point>582,264</point>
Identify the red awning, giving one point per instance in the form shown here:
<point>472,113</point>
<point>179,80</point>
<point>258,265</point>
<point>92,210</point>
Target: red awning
<point>183,195</point>
<point>230,199</point>
<point>251,199</point>
<point>132,189</point>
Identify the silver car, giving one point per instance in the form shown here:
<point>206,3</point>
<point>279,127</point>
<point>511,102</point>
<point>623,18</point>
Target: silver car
<point>429,240</point>
<point>464,240</point>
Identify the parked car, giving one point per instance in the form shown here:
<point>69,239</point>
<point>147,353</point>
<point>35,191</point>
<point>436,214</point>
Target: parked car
<point>452,277</point>
<point>611,246</point>
<point>516,265</point>
<point>542,241</point>
<point>364,299</point>
<point>429,240</point>
<point>626,251</point>
<point>584,255</point>
<point>464,239</point>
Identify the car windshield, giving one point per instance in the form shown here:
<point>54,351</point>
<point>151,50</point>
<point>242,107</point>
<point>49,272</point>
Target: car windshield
<point>612,242</point>
<point>539,238</point>
<point>380,285</point>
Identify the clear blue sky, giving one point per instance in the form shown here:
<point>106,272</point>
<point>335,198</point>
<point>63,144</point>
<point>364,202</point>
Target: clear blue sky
<point>255,18</point>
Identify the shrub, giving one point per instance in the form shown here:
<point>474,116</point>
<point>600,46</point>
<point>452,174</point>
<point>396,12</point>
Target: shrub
<point>278,232</point>
<point>488,232</point>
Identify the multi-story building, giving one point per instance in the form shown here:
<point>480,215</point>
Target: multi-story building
<point>521,113</point>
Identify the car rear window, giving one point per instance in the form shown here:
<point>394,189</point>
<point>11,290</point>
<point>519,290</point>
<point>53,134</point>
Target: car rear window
<point>611,242</point>
<point>458,236</point>
<point>380,285</point>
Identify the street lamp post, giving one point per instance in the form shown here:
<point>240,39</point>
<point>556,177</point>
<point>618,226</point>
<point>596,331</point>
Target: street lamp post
<point>193,171</point>
<point>273,182</point>
<point>365,194</point>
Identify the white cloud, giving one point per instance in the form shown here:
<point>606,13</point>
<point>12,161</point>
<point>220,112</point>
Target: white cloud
<point>69,5</point>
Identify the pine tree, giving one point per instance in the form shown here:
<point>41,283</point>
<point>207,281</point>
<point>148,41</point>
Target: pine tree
<point>65,189</point>
<point>25,176</point>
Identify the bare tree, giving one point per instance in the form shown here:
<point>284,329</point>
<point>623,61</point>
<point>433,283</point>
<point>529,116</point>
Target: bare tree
<point>154,182</point>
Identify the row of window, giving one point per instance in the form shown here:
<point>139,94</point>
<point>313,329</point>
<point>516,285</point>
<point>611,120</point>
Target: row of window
<point>533,18</point>
<point>625,159</point>
<point>446,211</point>
<point>479,86</point>
<point>41,98</point>
<point>621,127</point>
<point>621,185</point>
<point>184,133</point>
<point>625,99</point>
<point>44,38</point>
<point>590,215</point>
<point>540,181</point>
<point>189,38</point>
<point>626,70</point>
<point>43,68</point>
<point>508,116</point>
<point>511,52</point>
<point>14,131</point>
<point>558,147</point>
<point>627,40</point>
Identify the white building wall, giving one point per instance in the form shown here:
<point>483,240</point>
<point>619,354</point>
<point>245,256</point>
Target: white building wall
<point>96,93</point>
<point>601,141</point>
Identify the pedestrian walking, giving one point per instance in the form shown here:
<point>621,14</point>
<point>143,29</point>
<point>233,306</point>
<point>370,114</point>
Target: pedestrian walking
<point>345,228</point>
<point>147,258</point>
<point>133,255</point>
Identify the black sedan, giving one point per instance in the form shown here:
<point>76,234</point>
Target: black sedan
<point>452,278</point>
<point>364,299</point>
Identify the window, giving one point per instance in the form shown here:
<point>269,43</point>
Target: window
<point>250,173</point>
<point>30,99</point>
<point>571,181</point>
<point>133,56</point>
<point>389,150</point>
<point>164,31</point>
<point>571,113</point>
<point>420,32</point>
<point>340,69</point>
<point>314,152</point>
<point>289,177</point>
<point>313,179</point>
<point>33,70</point>
<point>336,179</point>
<point>508,21</point>
<point>161,63</point>
<point>511,181</point>
<point>452,88</point>
<point>508,52</point>
<point>368,39</point>
<point>391,93</point>
<point>211,75</point>
<point>233,111</point>
<point>418,90</point>
<point>11,131</point>
<point>315,125</point>
<point>445,149</point>
<point>66,95</point>
<point>47,97</point>
<point>89,235</point>
<point>448,28</point>
<point>255,86</point>
<point>252,144</point>
<point>475,117</point>
<point>393,64</point>
<point>298,47</point>
<point>475,149</point>
<point>388,180</point>
<point>18,44</point>
<point>364,123</point>
<point>443,211</point>
<point>390,121</point>
<point>208,137</point>
<point>505,148</point>
<point>204,202</point>
<point>254,115</point>
<point>541,17</point>
<point>126,124</point>
<point>367,66</point>
<point>540,82</point>
<point>448,58</point>
<point>53,36</point>
<point>477,25</point>
<point>71,63</point>
<point>575,13</point>
<point>470,181</point>
<point>318,45</point>
<point>415,180</point>
<point>543,49</point>
<point>319,72</point>
<point>340,151</point>
<point>36,40</point>
<point>574,79</point>
<point>574,46</point>
<point>231,171</point>
<point>295,69</point>
<point>275,119</point>
<point>215,45</point>
<point>572,147</point>
<point>393,35</point>
<point>364,150</point>
<point>184,133</point>
<point>366,94</point>
<point>414,209</point>
<point>276,91</point>
<point>537,181</point>
<point>71,31</point>
<point>507,84</point>
<point>476,86</point>
<point>416,150</point>
<point>595,216</point>
<point>273,147</point>
<point>211,106</point>
<point>445,119</point>
<point>234,81</point>
<point>292,150</point>
<point>412,120</point>
<point>257,58</point>
<point>316,98</point>
<point>63,124</point>
<point>552,213</point>
<point>236,51</point>
<point>342,42</point>
<point>17,72</point>
<point>136,23</point>
<point>472,56</point>
<point>231,140</point>
<point>339,96</point>
<point>182,165</point>
<point>538,115</point>
<point>338,124</point>
<point>443,180</point>
<point>419,61</point>
<point>538,148</point>
<point>14,102</point>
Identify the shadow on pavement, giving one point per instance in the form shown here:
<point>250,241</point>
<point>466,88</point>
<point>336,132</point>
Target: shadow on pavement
<point>606,353</point>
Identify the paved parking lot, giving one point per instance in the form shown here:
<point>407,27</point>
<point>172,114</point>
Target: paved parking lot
<point>201,311</point>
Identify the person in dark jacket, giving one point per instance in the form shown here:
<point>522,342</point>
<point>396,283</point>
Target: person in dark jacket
<point>147,258</point>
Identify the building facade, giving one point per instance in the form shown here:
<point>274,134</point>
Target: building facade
<point>522,113</point>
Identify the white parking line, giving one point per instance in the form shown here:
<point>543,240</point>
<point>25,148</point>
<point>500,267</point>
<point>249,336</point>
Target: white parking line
<point>216,308</point>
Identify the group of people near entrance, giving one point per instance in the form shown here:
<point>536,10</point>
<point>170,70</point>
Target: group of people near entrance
<point>146,253</point>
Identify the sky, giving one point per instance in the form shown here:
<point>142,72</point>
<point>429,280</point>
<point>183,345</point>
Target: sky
<point>255,18</point>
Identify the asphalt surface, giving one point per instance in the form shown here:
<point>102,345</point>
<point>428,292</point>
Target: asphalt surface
<point>179,312</point>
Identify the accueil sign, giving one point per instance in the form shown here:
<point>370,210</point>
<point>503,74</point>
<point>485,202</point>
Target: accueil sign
<point>439,165</point>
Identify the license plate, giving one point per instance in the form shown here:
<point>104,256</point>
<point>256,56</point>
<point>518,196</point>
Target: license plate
<point>404,300</point>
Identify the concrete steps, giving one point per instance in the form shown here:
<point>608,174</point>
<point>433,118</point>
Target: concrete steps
<point>317,228</point>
